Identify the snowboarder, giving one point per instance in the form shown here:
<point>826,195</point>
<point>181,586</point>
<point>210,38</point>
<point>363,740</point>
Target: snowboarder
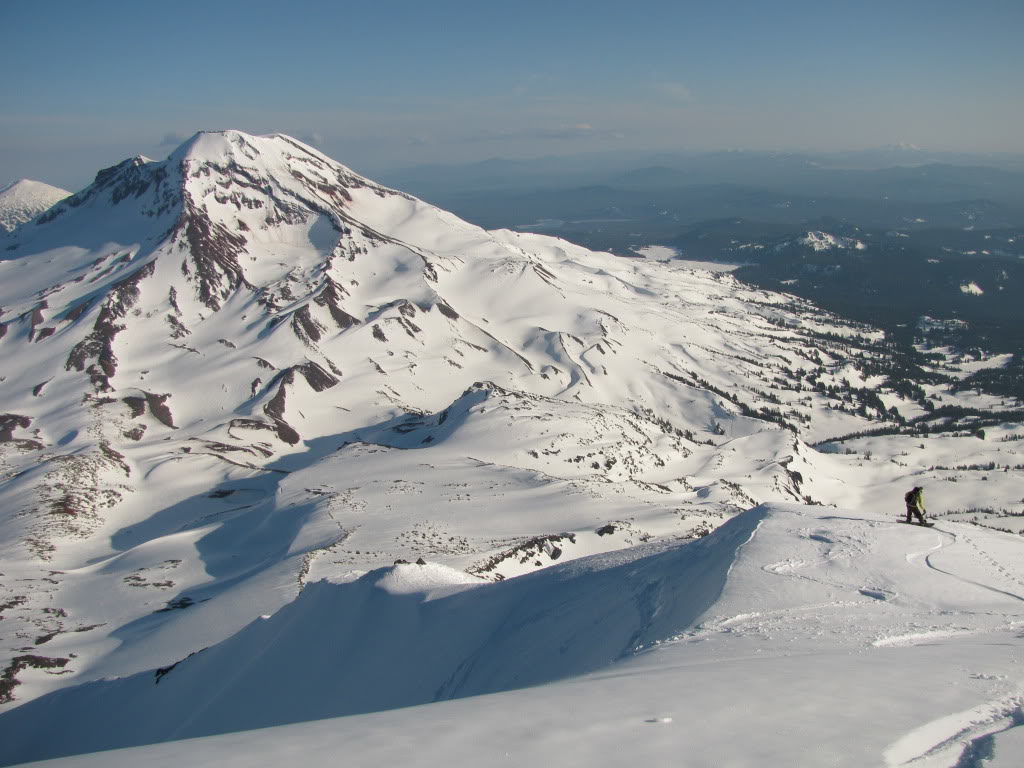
<point>915,504</point>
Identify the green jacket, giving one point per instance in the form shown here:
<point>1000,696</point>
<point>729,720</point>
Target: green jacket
<point>915,499</point>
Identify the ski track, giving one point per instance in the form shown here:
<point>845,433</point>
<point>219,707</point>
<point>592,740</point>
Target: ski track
<point>912,556</point>
<point>841,548</point>
<point>978,552</point>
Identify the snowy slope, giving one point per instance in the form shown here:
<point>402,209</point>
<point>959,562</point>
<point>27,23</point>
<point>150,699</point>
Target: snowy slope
<point>790,636</point>
<point>244,381</point>
<point>25,199</point>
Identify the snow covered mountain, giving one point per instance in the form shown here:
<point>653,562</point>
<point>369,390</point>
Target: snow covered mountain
<point>823,241</point>
<point>245,369</point>
<point>25,199</point>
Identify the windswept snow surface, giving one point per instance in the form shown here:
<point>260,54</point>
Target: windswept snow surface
<point>793,635</point>
<point>239,384</point>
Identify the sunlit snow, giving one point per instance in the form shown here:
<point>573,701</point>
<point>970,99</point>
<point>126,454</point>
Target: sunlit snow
<point>971,289</point>
<point>279,444</point>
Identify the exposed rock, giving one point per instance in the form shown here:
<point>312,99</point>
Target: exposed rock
<point>135,433</point>
<point>9,422</point>
<point>99,343</point>
<point>316,377</point>
<point>305,327</point>
<point>275,409</point>
<point>215,251</point>
<point>177,604</point>
<point>8,681</point>
<point>178,329</point>
<point>115,456</point>
<point>137,405</point>
<point>157,405</point>
<point>446,310</point>
<point>330,298</point>
<point>77,311</point>
<point>524,552</point>
<point>36,318</point>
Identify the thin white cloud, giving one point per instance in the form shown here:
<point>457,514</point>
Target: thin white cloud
<point>571,132</point>
<point>173,139</point>
<point>673,91</point>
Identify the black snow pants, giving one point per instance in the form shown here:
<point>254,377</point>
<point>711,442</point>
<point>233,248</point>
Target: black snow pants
<point>913,510</point>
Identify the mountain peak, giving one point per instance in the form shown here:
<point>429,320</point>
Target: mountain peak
<point>275,151</point>
<point>213,146</point>
<point>25,199</point>
<point>231,167</point>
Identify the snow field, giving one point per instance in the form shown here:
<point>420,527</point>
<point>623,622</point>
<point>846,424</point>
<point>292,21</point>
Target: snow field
<point>792,635</point>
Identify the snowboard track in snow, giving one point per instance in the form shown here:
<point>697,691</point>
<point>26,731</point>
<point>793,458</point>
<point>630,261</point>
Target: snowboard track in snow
<point>955,541</point>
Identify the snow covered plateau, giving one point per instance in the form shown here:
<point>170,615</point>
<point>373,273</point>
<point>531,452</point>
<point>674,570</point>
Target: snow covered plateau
<point>283,449</point>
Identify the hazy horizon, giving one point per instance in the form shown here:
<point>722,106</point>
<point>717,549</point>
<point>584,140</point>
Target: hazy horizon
<point>455,82</point>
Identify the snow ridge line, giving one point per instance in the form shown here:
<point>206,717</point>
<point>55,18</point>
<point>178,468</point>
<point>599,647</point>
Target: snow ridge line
<point>750,538</point>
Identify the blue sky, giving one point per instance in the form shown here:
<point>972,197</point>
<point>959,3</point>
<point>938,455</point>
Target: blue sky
<point>386,84</point>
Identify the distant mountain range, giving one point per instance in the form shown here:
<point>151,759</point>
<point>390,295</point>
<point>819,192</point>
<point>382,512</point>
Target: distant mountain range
<point>908,174</point>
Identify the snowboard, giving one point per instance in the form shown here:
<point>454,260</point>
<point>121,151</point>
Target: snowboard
<point>914,522</point>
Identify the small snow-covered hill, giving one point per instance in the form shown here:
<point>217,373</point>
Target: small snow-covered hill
<point>25,199</point>
<point>823,241</point>
<point>245,379</point>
